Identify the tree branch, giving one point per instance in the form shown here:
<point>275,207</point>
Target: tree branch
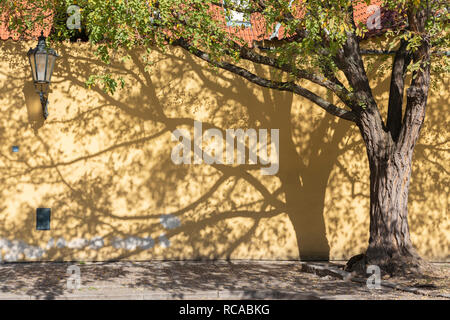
<point>282,86</point>
<point>250,54</point>
<point>332,83</point>
<point>349,61</point>
<point>417,93</point>
<point>394,118</point>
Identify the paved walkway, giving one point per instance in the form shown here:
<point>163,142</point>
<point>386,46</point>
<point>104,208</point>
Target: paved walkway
<point>184,280</point>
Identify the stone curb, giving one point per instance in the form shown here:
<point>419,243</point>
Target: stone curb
<point>347,276</point>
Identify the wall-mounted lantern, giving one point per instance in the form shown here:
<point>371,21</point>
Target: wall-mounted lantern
<point>42,61</point>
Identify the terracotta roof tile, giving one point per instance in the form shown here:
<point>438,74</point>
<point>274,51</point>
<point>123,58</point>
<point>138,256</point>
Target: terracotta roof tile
<point>29,34</point>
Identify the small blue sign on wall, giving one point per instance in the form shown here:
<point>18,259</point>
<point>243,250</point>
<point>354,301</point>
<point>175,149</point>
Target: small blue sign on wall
<point>15,148</point>
<point>43,218</point>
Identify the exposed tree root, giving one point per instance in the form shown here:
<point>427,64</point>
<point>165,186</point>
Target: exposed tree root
<point>407,266</point>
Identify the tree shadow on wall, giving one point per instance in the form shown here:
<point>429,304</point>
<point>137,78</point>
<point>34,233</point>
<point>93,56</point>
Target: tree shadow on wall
<point>103,164</point>
<point>88,201</point>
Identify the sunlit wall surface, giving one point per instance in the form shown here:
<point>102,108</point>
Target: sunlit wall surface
<point>102,164</point>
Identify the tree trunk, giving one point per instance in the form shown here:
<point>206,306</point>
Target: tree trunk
<point>390,245</point>
<point>390,152</point>
<point>390,162</point>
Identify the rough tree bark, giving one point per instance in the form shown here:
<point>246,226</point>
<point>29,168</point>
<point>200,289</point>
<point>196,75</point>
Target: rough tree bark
<point>390,245</point>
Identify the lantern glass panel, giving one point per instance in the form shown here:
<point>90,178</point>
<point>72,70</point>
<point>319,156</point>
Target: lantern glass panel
<point>33,66</point>
<point>41,62</point>
<point>50,65</point>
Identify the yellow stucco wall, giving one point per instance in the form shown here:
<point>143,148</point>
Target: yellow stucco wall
<point>102,163</point>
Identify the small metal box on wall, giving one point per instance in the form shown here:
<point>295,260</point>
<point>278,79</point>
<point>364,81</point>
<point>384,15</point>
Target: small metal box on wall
<point>43,218</point>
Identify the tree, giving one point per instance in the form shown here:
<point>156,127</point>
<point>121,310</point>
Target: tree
<point>320,43</point>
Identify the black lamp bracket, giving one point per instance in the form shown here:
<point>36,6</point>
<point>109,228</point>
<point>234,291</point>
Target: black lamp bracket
<point>44,103</point>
